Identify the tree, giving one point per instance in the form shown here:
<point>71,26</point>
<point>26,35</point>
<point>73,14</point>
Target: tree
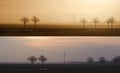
<point>35,20</point>
<point>83,21</point>
<point>90,60</point>
<point>32,59</point>
<point>116,60</point>
<point>42,58</point>
<point>112,21</point>
<point>25,20</point>
<point>108,22</point>
<point>95,20</point>
<point>102,60</point>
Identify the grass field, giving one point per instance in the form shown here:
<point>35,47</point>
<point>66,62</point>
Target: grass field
<point>71,68</point>
<point>59,30</point>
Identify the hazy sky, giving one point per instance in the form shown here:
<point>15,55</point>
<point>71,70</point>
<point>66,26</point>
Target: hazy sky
<point>58,10</point>
<point>18,49</point>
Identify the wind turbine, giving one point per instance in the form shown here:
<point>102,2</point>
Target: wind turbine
<point>64,57</point>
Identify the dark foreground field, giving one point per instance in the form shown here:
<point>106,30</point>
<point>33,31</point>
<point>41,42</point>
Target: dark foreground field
<point>55,68</point>
<point>57,30</point>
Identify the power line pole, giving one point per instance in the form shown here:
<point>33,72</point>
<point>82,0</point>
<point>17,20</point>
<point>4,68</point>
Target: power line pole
<point>73,18</point>
<point>64,57</point>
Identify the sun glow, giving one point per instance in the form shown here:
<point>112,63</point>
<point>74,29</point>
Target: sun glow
<point>100,2</point>
<point>57,11</point>
<point>37,38</point>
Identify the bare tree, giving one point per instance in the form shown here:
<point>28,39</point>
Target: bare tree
<point>35,19</point>
<point>83,21</point>
<point>90,60</point>
<point>108,22</point>
<point>102,60</point>
<point>42,58</point>
<point>32,59</point>
<point>95,20</point>
<point>112,21</point>
<point>25,20</point>
<point>116,60</point>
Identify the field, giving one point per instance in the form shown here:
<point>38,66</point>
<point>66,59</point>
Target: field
<point>58,30</point>
<point>71,68</point>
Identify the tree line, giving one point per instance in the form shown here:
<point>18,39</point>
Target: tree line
<point>25,20</point>
<point>103,60</point>
<point>90,60</point>
<point>33,59</point>
<point>110,21</point>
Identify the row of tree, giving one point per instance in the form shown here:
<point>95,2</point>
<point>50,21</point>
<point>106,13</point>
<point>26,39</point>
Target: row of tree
<point>109,21</point>
<point>33,59</point>
<point>103,60</point>
<point>35,19</point>
<point>90,60</point>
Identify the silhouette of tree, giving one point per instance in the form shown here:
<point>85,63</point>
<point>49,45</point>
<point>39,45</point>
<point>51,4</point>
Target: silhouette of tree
<point>42,58</point>
<point>25,20</point>
<point>95,20</point>
<point>35,20</point>
<point>102,60</point>
<point>83,21</point>
<point>90,60</point>
<point>112,21</point>
<point>116,60</point>
<point>108,22</point>
<point>32,59</point>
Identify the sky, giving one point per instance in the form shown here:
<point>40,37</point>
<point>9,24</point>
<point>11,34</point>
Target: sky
<point>56,11</point>
<point>18,49</point>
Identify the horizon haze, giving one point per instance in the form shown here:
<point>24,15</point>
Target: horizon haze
<point>58,11</point>
<point>18,49</point>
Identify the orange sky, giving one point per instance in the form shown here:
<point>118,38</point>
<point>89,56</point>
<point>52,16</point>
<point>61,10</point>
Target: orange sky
<point>58,10</point>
